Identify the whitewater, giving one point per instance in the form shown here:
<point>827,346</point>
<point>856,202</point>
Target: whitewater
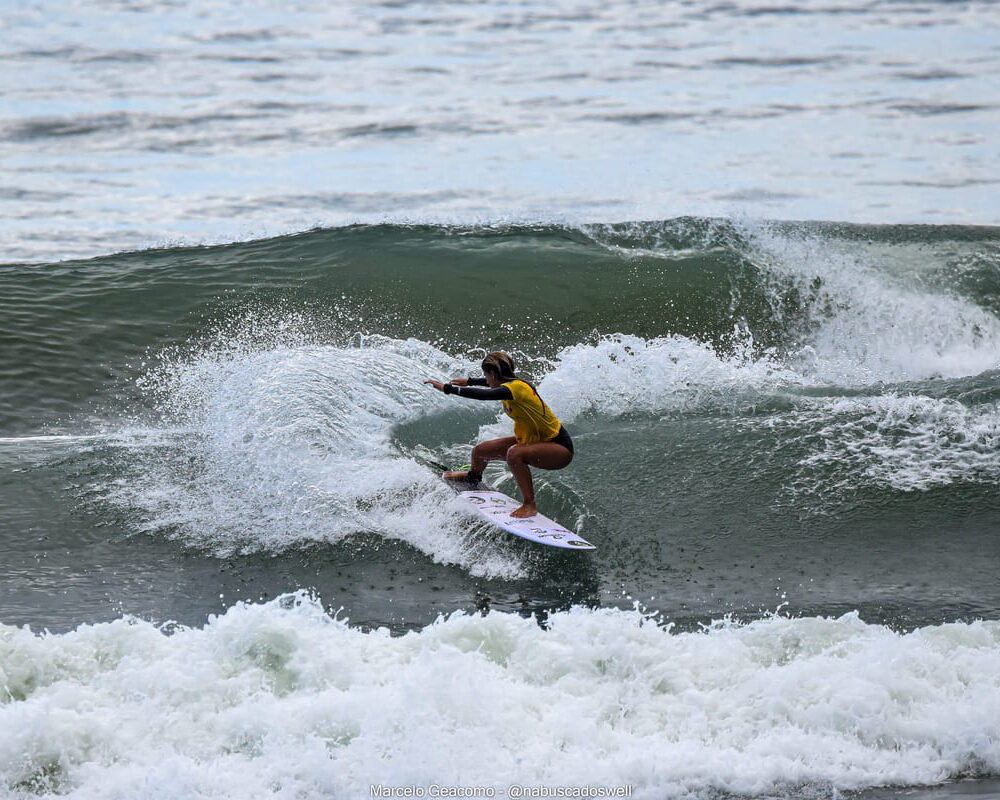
<point>285,700</point>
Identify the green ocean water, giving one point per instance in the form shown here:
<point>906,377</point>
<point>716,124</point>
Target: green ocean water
<point>793,415</point>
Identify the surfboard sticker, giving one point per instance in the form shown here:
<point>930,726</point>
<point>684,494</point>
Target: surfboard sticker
<point>496,507</point>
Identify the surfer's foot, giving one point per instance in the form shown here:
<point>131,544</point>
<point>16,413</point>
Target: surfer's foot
<point>526,510</point>
<point>462,475</point>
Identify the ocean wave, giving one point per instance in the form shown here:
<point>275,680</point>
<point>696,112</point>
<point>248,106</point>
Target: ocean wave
<point>295,402</point>
<point>281,699</point>
<point>288,442</point>
<point>870,316</point>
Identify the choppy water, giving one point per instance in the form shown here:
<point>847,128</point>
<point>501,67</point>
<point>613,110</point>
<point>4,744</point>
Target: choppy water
<point>240,577</point>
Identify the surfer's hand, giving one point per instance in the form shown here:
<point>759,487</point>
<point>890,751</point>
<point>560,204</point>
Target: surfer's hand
<point>459,381</point>
<point>436,384</point>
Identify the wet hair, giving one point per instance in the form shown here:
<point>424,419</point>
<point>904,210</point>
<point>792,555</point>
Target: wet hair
<point>502,364</point>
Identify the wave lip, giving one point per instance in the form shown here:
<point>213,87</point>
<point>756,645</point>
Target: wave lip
<point>868,316</point>
<point>281,697</point>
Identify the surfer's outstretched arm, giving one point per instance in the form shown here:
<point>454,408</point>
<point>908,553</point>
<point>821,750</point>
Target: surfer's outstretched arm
<point>473,392</point>
<point>484,452</point>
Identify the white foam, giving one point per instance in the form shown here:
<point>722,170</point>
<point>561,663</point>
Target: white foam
<point>869,319</point>
<point>873,322</point>
<point>906,442</point>
<point>281,700</point>
<point>624,374</point>
<point>290,443</point>
<point>869,314</point>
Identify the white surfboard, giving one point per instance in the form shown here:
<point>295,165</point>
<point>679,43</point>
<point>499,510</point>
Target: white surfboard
<point>496,507</point>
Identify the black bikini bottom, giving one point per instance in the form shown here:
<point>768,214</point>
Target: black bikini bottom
<point>563,438</point>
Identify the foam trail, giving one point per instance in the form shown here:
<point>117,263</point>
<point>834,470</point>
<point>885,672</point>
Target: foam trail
<point>280,699</point>
<point>905,442</point>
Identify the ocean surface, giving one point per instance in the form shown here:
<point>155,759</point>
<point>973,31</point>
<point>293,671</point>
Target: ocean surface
<point>749,254</point>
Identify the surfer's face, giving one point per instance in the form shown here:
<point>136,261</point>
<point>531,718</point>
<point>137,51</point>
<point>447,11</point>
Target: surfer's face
<point>492,378</point>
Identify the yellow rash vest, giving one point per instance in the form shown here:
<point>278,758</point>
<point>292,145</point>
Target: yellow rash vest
<point>533,420</point>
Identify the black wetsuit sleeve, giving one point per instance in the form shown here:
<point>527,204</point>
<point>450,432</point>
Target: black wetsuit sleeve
<point>476,382</point>
<point>474,392</point>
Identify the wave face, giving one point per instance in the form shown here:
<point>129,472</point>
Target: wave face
<point>843,305</point>
<point>794,416</point>
<point>281,699</point>
<point>249,387</point>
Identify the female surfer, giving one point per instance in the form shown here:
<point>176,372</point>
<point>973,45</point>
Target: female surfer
<point>539,438</point>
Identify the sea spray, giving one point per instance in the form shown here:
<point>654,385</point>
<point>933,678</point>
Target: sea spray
<point>290,444</point>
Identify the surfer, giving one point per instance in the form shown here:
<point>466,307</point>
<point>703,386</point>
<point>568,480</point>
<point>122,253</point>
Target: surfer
<point>539,438</point>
